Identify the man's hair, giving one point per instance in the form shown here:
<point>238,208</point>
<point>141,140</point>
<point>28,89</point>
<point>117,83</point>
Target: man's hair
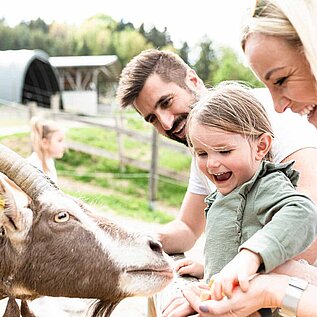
<point>168,65</point>
<point>292,20</point>
<point>231,107</point>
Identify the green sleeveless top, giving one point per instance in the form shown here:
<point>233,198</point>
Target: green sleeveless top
<point>265,215</point>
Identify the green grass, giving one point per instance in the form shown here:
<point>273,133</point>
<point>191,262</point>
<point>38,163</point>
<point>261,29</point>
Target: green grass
<point>107,140</point>
<point>106,173</point>
<point>124,206</point>
<point>129,190</point>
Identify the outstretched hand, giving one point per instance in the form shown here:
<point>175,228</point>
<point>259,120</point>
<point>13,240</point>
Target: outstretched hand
<point>237,272</point>
<point>241,303</point>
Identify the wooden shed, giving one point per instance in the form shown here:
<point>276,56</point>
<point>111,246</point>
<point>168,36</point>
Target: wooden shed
<point>85,79</point>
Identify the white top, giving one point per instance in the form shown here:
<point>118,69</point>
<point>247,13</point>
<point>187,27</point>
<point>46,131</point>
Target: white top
<point>291,133</point>
<point>35,161</point>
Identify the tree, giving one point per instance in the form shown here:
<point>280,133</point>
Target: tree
<point>64,41</point>
<point>6,36</point>
<point>157,38</point>
<point>129,43</point>
<point>38,24</point>
<point>184,53</point>
<point>207,61</point>
<point>230,68</point>
<point>95,35</point>
<point>142,30</point>
<point>123,26</point>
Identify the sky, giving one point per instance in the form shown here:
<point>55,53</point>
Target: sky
<point>185,20</point>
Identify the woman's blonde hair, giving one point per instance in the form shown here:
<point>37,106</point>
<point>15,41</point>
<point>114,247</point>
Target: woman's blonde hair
<point>293,20</point>
<point>231,107</point>
<point>42,129</point>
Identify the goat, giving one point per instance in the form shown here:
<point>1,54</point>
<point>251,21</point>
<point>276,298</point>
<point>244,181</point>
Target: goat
<point>57,246</point>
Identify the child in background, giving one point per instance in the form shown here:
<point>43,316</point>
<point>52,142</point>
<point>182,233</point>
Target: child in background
<point>48,143</point>
<point>255,219</point>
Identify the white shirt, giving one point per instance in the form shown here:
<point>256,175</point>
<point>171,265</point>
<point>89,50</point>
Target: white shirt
<point>291,133</point>
<point>35,161</point>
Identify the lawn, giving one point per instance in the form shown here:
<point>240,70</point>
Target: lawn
<point>129,189</point>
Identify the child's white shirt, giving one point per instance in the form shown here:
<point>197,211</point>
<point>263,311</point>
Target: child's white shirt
<point>35,161</point>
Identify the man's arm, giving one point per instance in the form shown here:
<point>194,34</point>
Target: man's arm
<point>305,163</point>
<point>181,234</point>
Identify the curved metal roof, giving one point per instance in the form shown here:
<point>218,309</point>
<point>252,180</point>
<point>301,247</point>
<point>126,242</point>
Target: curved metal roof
<point>21,70</point>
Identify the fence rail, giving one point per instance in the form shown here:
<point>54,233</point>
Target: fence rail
<point>84,148</point>
<point>115,122</point>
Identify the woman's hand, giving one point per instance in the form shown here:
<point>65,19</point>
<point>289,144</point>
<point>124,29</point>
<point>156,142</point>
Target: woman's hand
<point>265,290</point>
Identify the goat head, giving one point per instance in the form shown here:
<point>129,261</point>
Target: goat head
<point>57,246</point>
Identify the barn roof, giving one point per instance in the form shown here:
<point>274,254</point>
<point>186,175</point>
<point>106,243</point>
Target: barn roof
<point>110,62</point>
<point>26,75</point>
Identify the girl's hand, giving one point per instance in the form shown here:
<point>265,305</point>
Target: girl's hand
<point>237,272</point>
<point>187,266</point>
<point>264,291</point>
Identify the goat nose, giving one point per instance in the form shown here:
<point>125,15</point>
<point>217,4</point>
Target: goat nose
<point>155,246</point>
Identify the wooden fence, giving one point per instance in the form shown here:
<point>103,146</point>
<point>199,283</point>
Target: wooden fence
<point>116,123</point>
<point>155,141</point>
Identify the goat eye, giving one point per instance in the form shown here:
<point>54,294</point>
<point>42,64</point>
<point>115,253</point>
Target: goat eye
<point>62,217</point>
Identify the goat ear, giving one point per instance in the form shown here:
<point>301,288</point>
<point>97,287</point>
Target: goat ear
<point>9,215</point>
<point>15,221</point>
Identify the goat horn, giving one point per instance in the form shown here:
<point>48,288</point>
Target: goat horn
<point>31,180</point>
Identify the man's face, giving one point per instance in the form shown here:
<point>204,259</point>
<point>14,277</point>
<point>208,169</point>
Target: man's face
<point>166,106</point>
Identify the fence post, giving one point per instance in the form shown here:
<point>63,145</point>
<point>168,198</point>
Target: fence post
<point>55,100</point>
<point>153,171</point>
<point>32,107</point>
<point>119,125</point>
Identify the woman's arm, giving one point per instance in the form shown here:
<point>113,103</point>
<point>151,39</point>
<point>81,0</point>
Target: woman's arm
<point>299,269</point>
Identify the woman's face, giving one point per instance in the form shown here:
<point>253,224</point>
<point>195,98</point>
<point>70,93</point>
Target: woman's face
<point>285,72</point>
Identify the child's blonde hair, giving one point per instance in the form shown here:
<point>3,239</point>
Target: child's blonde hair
<point>231,107</point>
<point>41,129</point>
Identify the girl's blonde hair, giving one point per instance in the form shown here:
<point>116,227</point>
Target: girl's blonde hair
<point>231,107</point>
<point>293,20</point>
<point>42,129</point>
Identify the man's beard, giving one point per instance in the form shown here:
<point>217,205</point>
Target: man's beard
<point>170,133</point>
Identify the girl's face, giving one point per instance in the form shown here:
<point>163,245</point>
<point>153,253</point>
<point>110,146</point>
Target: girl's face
<point>227,159</point>
<point>285,72</point>
<point>55,145</point>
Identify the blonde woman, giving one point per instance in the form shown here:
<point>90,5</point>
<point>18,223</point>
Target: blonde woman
<point>279,39</point>
<point>288,64</point>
